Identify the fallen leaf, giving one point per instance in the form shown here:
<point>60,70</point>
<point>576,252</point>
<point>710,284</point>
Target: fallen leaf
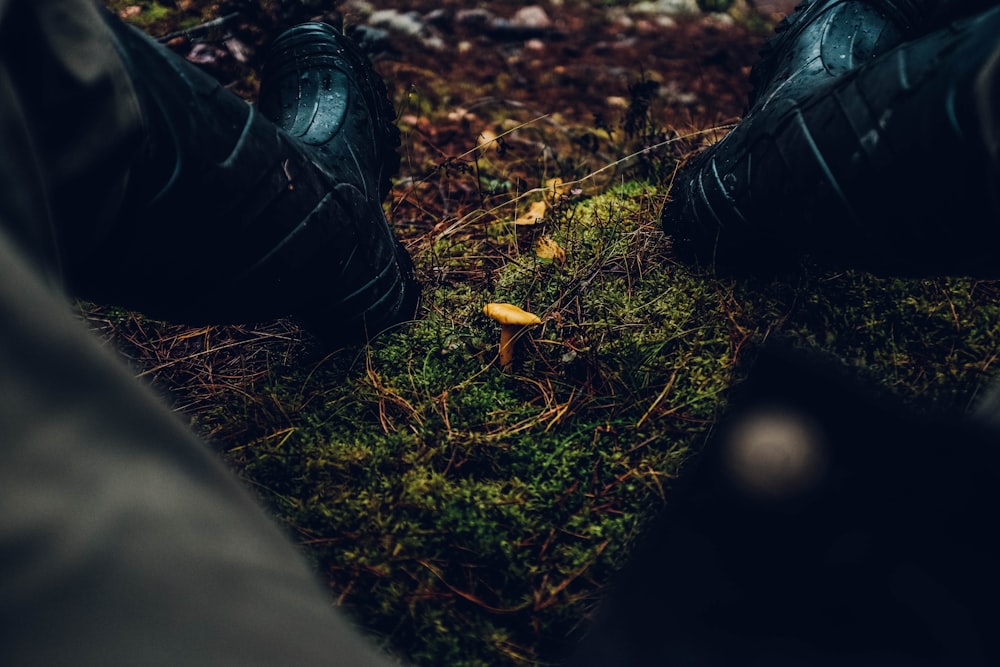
<point>558,187</point>
<point>238,49</point>
<point>205,54</point>
<point>547,248</point>
<point>534,215</point>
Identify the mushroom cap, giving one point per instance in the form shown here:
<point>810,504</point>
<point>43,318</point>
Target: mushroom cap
<point>506,313</point>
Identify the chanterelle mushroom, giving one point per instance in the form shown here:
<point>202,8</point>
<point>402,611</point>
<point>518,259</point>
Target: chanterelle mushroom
<point>512,319</point>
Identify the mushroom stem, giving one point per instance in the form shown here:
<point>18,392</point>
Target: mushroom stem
<point>512,319</point>
<point>507,344</point>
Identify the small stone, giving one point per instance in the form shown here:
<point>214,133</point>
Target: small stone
<point>391,19</point>
<point>408,23</point>
<point>531,18</point>
<point>670,7</point>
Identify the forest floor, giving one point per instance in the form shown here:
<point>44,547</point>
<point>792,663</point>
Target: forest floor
<point>461,514</point>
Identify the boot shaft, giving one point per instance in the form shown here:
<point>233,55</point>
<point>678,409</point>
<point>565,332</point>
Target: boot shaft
<point>918,17</point>
<point>885,168</point>
<point>828,38</point>
<point>228,217</point>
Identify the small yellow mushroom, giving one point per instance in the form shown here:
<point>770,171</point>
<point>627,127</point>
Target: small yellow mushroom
<point>512,319</point>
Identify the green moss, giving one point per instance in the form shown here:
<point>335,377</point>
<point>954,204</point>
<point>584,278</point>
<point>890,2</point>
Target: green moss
<point>470,515</point>
<point>144,14</point>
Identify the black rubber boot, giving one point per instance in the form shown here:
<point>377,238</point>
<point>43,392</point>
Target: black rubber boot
<point>827,38</point>
<point>233,216</point>
<point>918,17</point>
<point>820,40</point>
<point>879,166</point>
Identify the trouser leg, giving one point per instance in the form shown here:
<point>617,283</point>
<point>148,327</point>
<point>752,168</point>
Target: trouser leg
<point>71,124</point>
<point>123,541</point>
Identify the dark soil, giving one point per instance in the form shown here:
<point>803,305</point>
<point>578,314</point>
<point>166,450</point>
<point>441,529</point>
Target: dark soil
<point>610,80</point>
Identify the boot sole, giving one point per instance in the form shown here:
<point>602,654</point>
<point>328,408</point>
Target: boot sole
<point>316,39</point>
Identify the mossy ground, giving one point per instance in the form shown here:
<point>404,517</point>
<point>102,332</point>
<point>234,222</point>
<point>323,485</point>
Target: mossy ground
<point>465,514</point>
<point>469,513</point>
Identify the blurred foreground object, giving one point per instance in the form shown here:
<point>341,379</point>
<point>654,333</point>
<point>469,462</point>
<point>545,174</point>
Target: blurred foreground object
<point>821,525</point>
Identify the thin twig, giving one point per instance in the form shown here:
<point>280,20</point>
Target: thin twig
<point>207,25</point>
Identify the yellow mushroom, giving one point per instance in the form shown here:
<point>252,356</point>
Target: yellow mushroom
<point>512,319</point>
